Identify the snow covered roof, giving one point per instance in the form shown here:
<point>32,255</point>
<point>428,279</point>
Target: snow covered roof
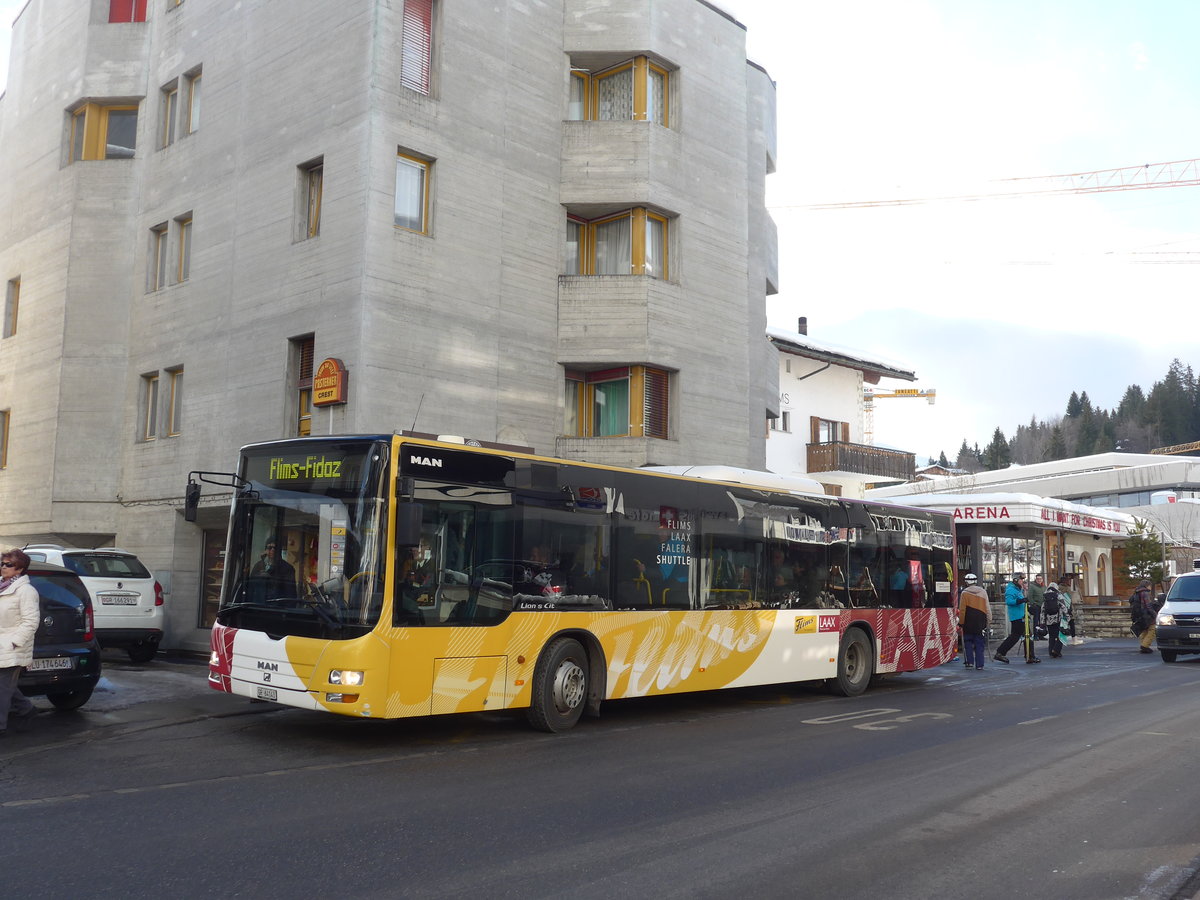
<point>802,345</point>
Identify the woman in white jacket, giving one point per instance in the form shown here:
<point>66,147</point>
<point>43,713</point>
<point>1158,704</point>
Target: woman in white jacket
<point>19,614</point>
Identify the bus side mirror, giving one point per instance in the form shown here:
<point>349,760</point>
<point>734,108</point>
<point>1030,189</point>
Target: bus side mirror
<point>408,523</point>
<point>191,501</point>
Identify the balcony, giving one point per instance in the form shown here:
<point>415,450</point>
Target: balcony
<point>839,457</point>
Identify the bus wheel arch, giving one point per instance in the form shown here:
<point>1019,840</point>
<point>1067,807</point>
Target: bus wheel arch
<point>855,663</point>
<point>567,681</point>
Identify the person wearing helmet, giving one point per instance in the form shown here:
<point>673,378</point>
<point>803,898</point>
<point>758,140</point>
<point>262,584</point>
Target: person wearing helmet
<point>973,615</point>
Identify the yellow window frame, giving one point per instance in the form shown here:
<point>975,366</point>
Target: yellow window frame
<point>639,235</point>
<point>584,397</point>
<point>183,266</point>
<point>89,130</point>
<point>642,66</point>
<point>426,169</point>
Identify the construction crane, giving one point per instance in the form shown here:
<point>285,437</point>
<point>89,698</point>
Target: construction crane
<point>870,396</point>
<point>1180,173</point>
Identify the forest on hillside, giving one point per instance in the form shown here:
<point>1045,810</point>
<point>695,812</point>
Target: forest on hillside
<point>1167,414</point>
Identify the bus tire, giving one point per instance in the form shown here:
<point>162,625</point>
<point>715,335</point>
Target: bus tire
<point>856,664</point>
<point>560,686</point>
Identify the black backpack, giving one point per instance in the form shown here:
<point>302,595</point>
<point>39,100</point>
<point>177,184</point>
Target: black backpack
<point>1050,605</point>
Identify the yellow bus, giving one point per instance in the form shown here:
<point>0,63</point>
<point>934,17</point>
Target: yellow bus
<point>384,576</point>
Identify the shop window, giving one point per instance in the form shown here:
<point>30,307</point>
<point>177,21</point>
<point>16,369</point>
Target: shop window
<point>633,242</point>
<point>12,303</point>
<point>103,132</point>
<point>631,401</point>
<point>412,193</point>
<point>416,45</point>
<point>636,89</point>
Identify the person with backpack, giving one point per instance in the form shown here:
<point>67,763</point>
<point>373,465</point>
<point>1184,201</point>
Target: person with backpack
<point>1143,609</point>
<point>1052,616</point>
<point>973,617</point>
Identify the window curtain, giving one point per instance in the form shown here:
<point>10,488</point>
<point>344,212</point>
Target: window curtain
<point>577,105</point>
<point>655,248</point>
<point>410,195</point>
<point>616,96</point>
<point>614,247</point>
<point>656,92</point>
<point>610,408</point>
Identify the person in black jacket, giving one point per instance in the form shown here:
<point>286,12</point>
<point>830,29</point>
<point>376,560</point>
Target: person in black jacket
<point>973,617</point>
<point>1052,609</point>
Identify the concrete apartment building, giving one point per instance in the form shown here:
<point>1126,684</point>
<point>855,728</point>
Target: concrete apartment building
<point>540,224</point>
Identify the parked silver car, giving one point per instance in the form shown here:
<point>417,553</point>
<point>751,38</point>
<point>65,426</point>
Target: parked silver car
<point>126,599</point>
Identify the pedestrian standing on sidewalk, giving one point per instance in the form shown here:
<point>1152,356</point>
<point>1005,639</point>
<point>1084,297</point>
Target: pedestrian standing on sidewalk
<point>1037,593</point>
<point>1014,600</point>
<point>19,614</point>
<point>1146,609</point>
<point>973,617</point>
<point>1052,612</point>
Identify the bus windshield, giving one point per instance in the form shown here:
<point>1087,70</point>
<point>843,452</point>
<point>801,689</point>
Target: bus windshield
<point>306,539</point>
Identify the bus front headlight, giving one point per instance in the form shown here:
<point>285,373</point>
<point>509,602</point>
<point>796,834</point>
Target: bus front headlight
<point>345,676</point>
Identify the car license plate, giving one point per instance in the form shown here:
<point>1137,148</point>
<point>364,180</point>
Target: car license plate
<point>1194,635</point>
<point>266,693</point>
<point>51,663</point>
<point>119,599</point>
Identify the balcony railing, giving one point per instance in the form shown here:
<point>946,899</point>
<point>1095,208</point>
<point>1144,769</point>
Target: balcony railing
<point>860,459</point>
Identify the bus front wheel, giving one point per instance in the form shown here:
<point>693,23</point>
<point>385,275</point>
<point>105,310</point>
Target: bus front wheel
<point>560,686</point>
<point>856,664</point>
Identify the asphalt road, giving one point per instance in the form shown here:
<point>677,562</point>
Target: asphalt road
<point>1069,779</point>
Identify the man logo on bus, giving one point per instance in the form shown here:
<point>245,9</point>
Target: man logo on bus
<point>425,461</point>
<point>268,666</point>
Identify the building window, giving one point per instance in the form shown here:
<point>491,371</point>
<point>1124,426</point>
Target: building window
<point>126,11</point>
<point>12,302</point>
<point>170,112</point>
<point>174,401</point>
<point>412,193</point>
<point>825,431</point>
<point>150,406</point>
<point>631,401</point>
<point>183,267</point>
<point>5,418</point>
<point>637,89</point>
<point>192,82</point>
<point>103,132</point>
<point>158,257</point>
<point>634,242</point>
<point>416,45</point>
<point>302,360</point>
<point>782,423</point>
<point>312,177</point>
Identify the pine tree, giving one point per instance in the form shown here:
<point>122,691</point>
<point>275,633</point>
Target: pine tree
<point>1143,553</point>
<point>1057,447</point>
<point>1073,407</point>
<point>997,455</point>
<point>942,461</point>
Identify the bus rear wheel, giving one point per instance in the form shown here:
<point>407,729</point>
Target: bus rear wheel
<point>560,686</point>
<point>856,664</point>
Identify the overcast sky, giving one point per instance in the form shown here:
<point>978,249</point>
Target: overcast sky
<point>1003,306</point>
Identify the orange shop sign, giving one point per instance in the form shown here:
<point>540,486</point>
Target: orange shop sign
<point>329,383</point>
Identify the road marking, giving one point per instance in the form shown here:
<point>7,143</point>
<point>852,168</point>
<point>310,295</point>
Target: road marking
<point>1035,721</point>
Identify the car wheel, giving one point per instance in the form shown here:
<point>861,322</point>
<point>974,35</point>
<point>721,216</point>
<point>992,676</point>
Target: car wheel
<point>142,652</point>
<point>70,699</point>
<point>1168,656</point>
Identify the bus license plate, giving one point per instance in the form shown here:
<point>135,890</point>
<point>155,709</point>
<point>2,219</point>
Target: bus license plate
<point>51,663</point>
<point>266,693</point>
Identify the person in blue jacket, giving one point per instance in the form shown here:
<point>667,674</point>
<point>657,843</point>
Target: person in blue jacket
<point>1014,599</point>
